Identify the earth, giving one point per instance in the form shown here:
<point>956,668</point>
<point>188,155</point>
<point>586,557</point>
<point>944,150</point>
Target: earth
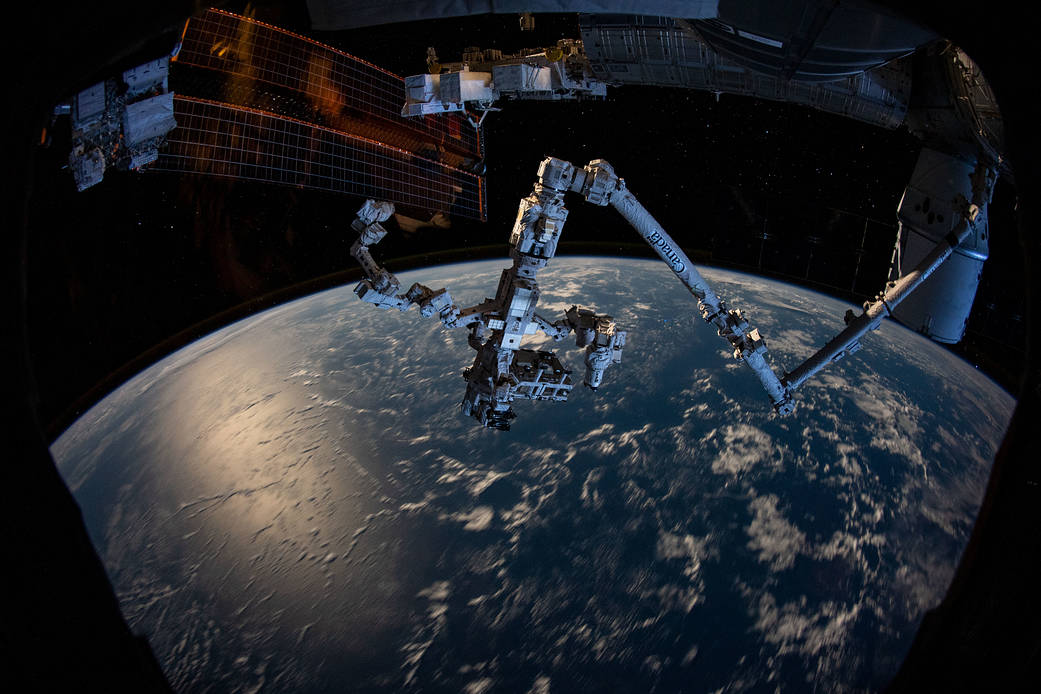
<point>295,503</point>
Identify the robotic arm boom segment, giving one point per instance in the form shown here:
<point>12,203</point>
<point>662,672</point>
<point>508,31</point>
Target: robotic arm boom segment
<point>848,341</point>
<point>380,286</point>
<point>599,185</point>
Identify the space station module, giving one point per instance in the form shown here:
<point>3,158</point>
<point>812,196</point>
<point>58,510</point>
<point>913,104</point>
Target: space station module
<point>120,123</point>
<point>483,77</point>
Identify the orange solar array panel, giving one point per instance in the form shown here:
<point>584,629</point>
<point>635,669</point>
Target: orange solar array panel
<point>333,83</point>
<point>224,140</point>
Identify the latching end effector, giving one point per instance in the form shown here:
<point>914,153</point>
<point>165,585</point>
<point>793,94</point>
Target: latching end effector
<point>786,405</point>
<point>602,340</point>
<point>750,343</point>
<point>372,212</point>
<point>433,302</point>
<point>369,293</point>
<point>557,174</point>
<point>750,349</point>
<point>602,352</point>
<point>596,181</point>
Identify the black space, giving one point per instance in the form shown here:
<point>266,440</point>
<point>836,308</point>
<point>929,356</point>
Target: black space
<point>200,252</point>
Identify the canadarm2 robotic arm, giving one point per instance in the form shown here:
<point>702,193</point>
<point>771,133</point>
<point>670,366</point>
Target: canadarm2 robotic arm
<point>599,184</point>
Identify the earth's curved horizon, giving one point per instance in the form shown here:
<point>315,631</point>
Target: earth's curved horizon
<point>294,503</point>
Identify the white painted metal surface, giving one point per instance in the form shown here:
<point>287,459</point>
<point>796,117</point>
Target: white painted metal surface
<point>928,211</point>
<point>147,119</point>
<point>503,370</point>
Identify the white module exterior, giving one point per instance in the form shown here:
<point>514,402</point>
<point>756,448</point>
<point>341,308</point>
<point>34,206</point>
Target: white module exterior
<point>557,73</point>
<point>89,105</point>
<point>446,93</point>
<point>88,168</point>
<point>150,118</point>
<point>144,78</point>
<point>459,87</point>
<point>661,51</point>
<point>143,158</point>
<point>120,125</point>
<point>423,96</point>
<point>522,78</point>
<point>929,211</point>
<point>970,213</point>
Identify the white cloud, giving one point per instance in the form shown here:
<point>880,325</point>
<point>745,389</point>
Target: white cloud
<point>541,685</point>
<point>794,629</point>
<point>479,686</point>
<point>693,551</point>
<point>489,478</point>
<point>679,598</point>
<point>742,449</point>
<point>850,547</point>
<point>671,546</point>
<point>776,540</point>
<point>477,519</point>
<point>590,494</point>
